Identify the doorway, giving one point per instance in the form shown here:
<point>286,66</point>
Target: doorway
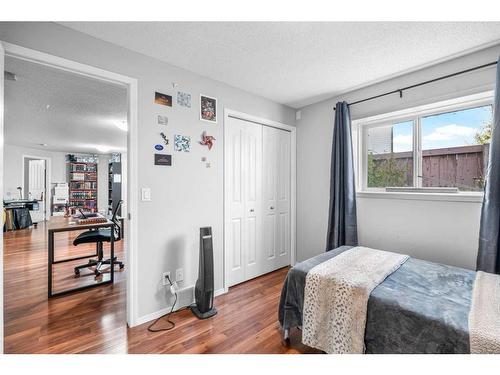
<point>36,183</point>
<point>130,184</point>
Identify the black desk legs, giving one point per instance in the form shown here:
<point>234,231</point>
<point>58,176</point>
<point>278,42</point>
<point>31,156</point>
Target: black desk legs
<point>51,262</point>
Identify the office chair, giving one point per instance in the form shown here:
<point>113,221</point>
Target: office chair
<point>99,236</point>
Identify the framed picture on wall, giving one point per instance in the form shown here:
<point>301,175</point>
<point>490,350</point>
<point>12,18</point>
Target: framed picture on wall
<point>208,109</point>
<point>163,99</point>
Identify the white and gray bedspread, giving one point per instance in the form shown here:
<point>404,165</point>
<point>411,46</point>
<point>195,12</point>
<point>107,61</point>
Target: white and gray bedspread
<point>422,307</point>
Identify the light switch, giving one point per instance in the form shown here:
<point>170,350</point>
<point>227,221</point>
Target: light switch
<point>146,194</point>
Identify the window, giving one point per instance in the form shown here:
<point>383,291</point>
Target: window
<point>439,146</point>
<point>390,155</point>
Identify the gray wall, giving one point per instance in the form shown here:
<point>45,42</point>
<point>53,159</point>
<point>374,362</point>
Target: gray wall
<point>445,232</point>
<point>185,196</point>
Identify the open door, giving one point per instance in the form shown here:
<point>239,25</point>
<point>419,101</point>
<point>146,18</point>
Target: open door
<point>36,188</point>
<point>2,111</point>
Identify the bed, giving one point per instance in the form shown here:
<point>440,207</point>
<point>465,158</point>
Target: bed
<point>422,307</point>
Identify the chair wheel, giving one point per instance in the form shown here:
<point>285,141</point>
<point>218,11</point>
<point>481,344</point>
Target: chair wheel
<point>122,266</point>
<point>77,272</point>
<point>97,273</point>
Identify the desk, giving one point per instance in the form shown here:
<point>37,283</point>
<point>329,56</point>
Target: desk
<point>18,213</point>
<point>62,224</point>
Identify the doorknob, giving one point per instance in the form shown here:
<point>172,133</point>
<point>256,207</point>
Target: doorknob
<point>252,210</point>
<point>272,208</point>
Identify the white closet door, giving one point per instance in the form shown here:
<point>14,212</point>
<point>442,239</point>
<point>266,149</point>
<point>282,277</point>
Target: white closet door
<point>283,199</point>
<point>253,200</point>
<point>244,179</point>
<point>276,201</point>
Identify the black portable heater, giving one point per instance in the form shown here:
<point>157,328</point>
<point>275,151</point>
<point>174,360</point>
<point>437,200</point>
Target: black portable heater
<point>204,287</point>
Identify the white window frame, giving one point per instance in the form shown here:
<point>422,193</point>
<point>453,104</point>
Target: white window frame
<point>360,126</point>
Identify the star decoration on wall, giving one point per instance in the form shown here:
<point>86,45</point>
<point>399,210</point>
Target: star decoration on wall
<point>207,140</point>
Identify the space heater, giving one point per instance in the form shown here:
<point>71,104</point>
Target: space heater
<point>204,287</point>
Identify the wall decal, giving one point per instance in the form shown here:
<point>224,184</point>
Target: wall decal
<point>207,163</point>
<point>158,147</point>
<point>165,139</point>
<point>163,99</point>
<point>161,159</point>
<point>184,99</point>
<point>182,143</point>
<point>208,109</point>
<point>162,120</point>
<point>207,140</point>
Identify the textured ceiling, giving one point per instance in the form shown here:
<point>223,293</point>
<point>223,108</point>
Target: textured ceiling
<point>81,113</point>
<point>296,63</point>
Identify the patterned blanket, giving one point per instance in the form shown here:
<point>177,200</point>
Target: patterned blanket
<point>484,316</point>
<point>336,298</point>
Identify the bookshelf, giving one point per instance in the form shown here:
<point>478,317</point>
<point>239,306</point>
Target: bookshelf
<point>82,185</point>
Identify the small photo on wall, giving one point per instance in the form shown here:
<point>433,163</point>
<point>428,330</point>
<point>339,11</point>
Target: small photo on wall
<point>162,120</point>
<point>163,99</point>
<point>184,99</point>
<point>208,109</point>
<point>161,159</point>
<point>182,143</point>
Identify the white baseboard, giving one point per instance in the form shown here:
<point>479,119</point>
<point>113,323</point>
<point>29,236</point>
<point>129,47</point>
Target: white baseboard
<point>186,298</point>
<point>220,291</point>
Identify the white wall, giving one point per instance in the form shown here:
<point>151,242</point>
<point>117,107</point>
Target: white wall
<point>185,196</point>
<point>13,171</point>
<point>1,193</point>
<point>13,167</point>
<point>445,232</point>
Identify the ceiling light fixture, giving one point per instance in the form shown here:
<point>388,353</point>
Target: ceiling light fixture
<point>122,125</point>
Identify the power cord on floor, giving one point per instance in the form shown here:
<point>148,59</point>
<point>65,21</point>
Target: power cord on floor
<point>172,324</point>
<point>167,315</point>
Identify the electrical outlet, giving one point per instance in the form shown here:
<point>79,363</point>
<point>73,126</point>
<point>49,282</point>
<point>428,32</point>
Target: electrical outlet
<point>179,274</point>
<point>166,276</point>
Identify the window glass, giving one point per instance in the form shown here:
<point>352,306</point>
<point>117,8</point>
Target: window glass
<point>455,148</point>
<point>390,155</point>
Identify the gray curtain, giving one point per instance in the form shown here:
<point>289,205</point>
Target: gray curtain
<point>342,226</point>
<point>488,257</point>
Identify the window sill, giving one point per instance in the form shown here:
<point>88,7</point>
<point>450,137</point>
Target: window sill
<point>472,197</point>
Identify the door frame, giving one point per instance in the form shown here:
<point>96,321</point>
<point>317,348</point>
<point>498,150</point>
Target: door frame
<point>131,230</point>
<point>48,181</point>
<point>293,181</point>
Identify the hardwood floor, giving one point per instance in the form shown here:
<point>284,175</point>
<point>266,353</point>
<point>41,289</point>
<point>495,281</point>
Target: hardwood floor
<point>93,321</point>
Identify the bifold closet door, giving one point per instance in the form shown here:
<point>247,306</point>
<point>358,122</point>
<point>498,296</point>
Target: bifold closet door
<point>276,198</point>
<point>244,182</point>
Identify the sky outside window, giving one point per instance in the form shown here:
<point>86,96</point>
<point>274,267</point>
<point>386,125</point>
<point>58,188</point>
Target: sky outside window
<point>402,136</point>
<point>445,130</point>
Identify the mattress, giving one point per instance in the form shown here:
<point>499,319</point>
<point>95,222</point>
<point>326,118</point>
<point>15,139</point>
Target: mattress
<point>423,307</point>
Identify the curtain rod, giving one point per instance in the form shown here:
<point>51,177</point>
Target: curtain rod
<point>400,91</point>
